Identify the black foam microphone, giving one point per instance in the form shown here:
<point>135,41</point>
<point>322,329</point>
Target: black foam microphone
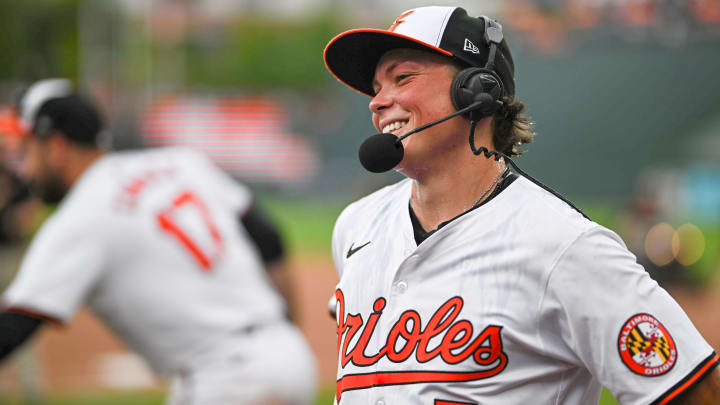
<point>382,152</point>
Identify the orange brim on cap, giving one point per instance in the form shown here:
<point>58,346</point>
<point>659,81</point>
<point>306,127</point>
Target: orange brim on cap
<point>353,55</point>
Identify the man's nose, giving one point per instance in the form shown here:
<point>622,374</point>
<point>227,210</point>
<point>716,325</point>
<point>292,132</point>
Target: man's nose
<point>380,101</point>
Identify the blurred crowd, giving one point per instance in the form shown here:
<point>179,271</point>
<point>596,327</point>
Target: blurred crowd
<point>547,23</point>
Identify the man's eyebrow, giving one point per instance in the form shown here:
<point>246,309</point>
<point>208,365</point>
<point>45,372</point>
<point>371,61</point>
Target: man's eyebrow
<point>389,69</point>
<point>412,65</point>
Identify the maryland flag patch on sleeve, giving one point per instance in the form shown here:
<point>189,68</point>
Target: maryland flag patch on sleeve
<point>646,347</point>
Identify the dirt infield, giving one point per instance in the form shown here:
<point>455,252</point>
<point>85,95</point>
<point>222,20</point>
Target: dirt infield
<point>84,356</point>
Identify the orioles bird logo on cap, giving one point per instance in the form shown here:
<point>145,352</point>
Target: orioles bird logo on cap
<point>400,20</point>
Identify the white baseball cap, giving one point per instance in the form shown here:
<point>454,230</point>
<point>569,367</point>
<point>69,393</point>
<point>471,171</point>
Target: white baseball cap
<point>353,55</point>
<point>37,95</point>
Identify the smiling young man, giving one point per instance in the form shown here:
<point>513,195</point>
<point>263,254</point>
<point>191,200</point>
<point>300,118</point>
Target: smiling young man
<point>469,284</point>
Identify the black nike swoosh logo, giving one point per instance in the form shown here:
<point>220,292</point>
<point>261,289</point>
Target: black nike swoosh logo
<point>352,251</point>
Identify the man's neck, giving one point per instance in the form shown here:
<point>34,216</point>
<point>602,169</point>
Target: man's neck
<point>81,160</point>
<point>455,188</point>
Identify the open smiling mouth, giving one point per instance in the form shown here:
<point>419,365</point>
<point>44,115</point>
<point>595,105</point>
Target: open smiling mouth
<point>393,126</point>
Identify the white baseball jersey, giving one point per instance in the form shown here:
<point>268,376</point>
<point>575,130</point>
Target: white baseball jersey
<point>520,301</point>
<point>152,241</point>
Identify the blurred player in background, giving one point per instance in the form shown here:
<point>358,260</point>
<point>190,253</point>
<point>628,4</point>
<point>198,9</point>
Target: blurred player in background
<point>469,283</point>
<point>166,248</point>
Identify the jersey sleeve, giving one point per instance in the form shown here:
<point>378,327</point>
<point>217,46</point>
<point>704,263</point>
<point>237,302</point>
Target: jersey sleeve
<point>337,244</point>
<point>620,324</point>
<point>264,233</point>
<point>338,237</point>
<point>17,329</point>
<point>60,268</point>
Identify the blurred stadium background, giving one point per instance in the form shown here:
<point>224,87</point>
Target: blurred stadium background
<point>625,94</point>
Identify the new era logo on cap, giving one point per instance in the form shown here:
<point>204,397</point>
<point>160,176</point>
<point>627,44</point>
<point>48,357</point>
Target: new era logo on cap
<point>470,47</point>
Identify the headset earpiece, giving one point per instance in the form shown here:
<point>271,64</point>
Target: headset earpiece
<point>483,85</point>
<point>473,85</point>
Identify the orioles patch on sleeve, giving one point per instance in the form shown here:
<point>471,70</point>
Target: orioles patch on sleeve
<point>646,347</point>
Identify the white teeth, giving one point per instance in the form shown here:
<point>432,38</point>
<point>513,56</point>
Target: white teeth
<point>393,126</point>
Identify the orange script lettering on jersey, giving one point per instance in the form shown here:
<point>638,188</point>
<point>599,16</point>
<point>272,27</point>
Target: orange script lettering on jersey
<point>486,349</point>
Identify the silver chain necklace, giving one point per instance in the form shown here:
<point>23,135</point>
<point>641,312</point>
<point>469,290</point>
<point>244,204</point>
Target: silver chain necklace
<point>492,185</point>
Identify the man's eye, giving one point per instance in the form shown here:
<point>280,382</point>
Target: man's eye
<point>402,77</point>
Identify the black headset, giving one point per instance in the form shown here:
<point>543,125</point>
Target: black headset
<point>482,85</point>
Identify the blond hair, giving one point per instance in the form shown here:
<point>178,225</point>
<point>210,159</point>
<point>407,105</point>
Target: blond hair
<point>511,128</point>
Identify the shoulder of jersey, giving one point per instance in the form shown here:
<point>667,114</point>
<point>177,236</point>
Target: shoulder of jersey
<point>178,151</point>
<point>84,207</point>
<point>377,201</point>
<point>532,201</point>
<point>159,156</point>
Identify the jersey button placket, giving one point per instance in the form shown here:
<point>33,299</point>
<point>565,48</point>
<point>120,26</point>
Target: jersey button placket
<point>380,402</point>
<point>411,263</point>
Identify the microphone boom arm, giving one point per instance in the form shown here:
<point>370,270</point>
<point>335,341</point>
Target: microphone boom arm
<point>469,108</point>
